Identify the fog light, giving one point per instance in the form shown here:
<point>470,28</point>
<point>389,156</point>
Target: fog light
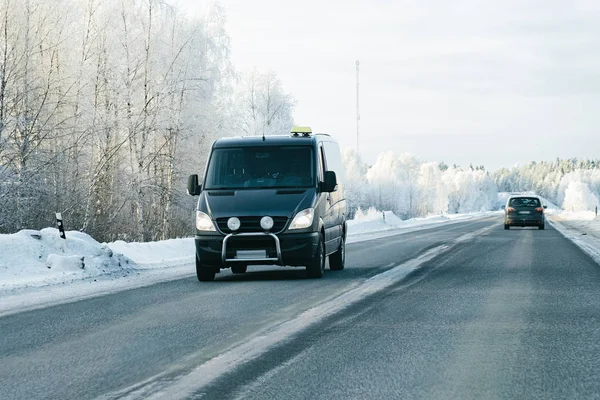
<point>233,224</point>
<point>266,223</point>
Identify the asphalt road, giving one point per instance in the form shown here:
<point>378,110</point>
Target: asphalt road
<point>512,314</point>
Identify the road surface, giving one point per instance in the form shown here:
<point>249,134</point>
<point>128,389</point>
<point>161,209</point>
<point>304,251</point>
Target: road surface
<point>508,314</point>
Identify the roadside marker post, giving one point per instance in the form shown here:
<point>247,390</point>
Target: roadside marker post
<point>61,227</point>
<point>61,231</point>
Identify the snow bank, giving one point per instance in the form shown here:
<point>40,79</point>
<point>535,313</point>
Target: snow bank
<point>376,223</point>
<point>41,258</point>
<point>157,254</point>
<point>32,258</point>
<point>581,227</point>
<point>561,215</point>
<point>38,268</point>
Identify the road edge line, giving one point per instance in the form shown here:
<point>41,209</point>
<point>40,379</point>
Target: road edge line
<point>586,248</point>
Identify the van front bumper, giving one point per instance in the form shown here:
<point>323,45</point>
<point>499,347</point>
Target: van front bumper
<point>296,249</point>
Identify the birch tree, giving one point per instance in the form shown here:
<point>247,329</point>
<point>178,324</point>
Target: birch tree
<point>266,108</point>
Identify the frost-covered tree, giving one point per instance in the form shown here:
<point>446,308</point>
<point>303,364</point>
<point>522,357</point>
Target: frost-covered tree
<point>265,108</point>
<point>105,107</point>
<point>579,197</point>
<point>412,188</point>
<point>551,179</point>
<point>354,187</point>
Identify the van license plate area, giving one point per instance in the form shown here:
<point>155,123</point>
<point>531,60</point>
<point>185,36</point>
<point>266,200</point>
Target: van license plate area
<point>524,212</point>
<point>250,254</point>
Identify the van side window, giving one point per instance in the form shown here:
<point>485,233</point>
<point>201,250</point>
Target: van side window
<point>322,164</point>
<point>334,160</point>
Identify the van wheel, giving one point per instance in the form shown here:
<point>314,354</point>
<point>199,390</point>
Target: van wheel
<point>316,267</point>
<point>541,227</point>
<point>239,269</point>
<point>507,227</point>
<point>205,274</point>
<point>337,260</point>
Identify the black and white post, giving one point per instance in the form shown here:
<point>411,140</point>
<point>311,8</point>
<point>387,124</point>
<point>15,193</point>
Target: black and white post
<point>61,232</point>
<point>61,226</point>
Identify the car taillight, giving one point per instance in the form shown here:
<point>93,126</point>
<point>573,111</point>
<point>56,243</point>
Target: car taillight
<point>539,209</point>
<point>510,209</point>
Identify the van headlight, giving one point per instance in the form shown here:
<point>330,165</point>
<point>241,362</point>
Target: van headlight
<point>203,222</point>
<point>303,219</point>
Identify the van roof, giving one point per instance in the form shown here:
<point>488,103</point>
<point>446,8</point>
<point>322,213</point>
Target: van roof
<point>279,140</point>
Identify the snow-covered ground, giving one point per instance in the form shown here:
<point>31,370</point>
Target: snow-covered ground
<point>38,268</point>
<point>41,258</point>
<point>376,224</point>
<point>33,259</point>
<point>582,227</point>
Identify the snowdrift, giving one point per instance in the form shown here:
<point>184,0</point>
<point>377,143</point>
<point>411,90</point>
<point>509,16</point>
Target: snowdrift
<point>40,258</point>
<point>159,254</point>
<point>381,223</point>
<point>32,258</point>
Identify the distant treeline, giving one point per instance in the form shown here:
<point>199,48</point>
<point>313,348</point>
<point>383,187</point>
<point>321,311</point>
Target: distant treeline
<point>573,183</point>
<point>412,188</point>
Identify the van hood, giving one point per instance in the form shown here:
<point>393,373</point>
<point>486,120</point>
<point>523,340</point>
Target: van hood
<point>259,202</point>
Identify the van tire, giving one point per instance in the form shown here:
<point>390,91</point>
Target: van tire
<point>204,274</point>
<point>316,266</point>
<point>337,260</point>
<point>506,227</point>
<point>239,269</point>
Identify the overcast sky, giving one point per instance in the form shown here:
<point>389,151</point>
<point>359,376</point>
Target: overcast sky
<point>488,82</point>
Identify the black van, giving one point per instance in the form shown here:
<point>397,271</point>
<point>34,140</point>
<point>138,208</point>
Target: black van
<point>271,200</point>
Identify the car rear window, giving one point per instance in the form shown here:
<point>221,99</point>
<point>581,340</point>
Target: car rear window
<point>524,202</point>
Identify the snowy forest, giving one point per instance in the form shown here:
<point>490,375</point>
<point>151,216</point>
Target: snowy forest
<point>106,106</point>
<point>572,184</point>
<point>413,188</point>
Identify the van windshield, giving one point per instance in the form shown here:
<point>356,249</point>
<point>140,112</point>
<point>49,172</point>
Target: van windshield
<point>261,167</point>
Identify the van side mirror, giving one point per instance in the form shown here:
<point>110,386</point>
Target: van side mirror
<point>545,207</point>
<point>193,188</point>
<point>330,184</point>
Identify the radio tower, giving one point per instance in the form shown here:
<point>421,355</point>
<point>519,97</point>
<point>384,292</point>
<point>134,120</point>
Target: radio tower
<point>357,107</point>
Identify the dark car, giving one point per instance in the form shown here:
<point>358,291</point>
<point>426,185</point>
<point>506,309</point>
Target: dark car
<point>273,200</point>
<point>524,211</point>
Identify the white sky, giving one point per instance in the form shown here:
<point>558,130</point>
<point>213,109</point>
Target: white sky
<point>488,82</point>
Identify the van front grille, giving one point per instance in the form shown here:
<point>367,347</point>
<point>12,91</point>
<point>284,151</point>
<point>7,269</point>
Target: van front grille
<point>252,224</point>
